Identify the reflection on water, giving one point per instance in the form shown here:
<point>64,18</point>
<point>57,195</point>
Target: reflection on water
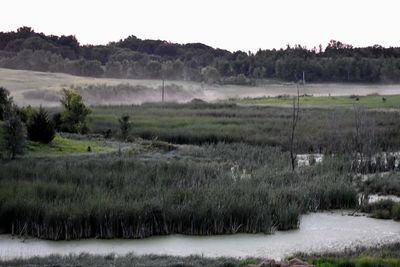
<point>318,232</point>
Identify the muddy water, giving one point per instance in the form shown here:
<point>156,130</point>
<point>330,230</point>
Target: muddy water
<point>318,232</point>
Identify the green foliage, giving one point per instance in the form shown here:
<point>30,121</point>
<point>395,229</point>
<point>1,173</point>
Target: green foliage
<point>26,113</point>
<point>40,128</point>
<point>5,103</point>
<point>75,111</point>
<point>124,126</point>
<point>13,136</point>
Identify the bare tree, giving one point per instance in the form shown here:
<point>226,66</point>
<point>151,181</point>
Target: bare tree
<point>295,119</point>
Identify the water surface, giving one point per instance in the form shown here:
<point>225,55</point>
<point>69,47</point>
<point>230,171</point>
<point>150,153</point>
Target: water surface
<point>318,232</point>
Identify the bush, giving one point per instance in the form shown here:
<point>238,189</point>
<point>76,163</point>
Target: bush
<point>396,212</point>
<point>40,128</point>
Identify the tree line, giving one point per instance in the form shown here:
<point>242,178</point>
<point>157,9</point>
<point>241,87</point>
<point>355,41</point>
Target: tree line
<point>136,58</point>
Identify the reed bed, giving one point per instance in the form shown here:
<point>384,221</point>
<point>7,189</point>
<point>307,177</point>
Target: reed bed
<point>238,188</point>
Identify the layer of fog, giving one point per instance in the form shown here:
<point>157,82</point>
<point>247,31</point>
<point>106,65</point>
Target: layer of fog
<point>40,88</point>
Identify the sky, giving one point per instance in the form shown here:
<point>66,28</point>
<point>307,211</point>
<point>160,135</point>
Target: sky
<point>229,24</point>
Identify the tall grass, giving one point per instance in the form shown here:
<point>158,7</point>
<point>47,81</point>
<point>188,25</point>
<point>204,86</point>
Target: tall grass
<point>86,260</point>
<point>236,188</point>
<point>319,130</point>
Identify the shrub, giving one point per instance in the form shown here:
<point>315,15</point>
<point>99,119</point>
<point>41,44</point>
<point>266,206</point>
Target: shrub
<point>124,126</point>
<point>40,128</point>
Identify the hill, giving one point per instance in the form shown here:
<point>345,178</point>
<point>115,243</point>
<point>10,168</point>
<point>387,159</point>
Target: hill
<point>135,58</point>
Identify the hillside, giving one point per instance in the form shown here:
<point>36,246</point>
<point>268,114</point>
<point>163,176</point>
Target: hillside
<point>42,88</point>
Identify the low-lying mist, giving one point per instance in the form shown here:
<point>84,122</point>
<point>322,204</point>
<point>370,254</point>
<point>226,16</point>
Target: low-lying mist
<point>121,94</point>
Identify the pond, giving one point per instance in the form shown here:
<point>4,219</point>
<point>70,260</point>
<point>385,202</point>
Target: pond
<point>328,231</point>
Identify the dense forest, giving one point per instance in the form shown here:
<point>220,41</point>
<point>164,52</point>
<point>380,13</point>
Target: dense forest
<point>155,59</point>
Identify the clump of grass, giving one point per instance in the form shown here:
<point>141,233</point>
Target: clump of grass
<point>382,184</point>
<point>384,209</point>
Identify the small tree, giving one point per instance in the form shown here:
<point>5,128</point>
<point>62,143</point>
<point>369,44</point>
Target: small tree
<point>13,136</point>
<point>124,126</point>
<point>75,111</point>
<point>40,128</point>
<point>6,103</point>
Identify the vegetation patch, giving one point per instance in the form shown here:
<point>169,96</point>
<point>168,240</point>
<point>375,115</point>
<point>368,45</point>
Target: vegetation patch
<point>63,145</point>
<point>369,101</point>
<point>382,256</point>
<point>319,130</point>
<point>239,189</point>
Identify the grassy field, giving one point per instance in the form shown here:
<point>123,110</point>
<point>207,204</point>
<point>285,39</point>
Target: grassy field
<point>319,130</point>
<point>386,256</point>
<point>62,145</point>
<point>368,101</point>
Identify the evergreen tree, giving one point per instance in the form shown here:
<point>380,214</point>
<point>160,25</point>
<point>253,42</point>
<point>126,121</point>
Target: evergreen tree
<point>124,126</point>
<point>40,128</point>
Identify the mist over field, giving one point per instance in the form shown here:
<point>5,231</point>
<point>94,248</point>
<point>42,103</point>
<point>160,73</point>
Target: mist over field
<point>42,88</point>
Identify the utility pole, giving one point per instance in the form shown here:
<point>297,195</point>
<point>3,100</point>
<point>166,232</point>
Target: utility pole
<point>304,78</point>
<point>162,91</point>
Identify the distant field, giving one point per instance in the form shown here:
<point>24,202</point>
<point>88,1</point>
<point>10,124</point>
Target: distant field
<point>369,101</point>
<point>41,88</point>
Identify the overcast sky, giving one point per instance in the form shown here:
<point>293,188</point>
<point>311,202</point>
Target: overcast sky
<point>229,24</point>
